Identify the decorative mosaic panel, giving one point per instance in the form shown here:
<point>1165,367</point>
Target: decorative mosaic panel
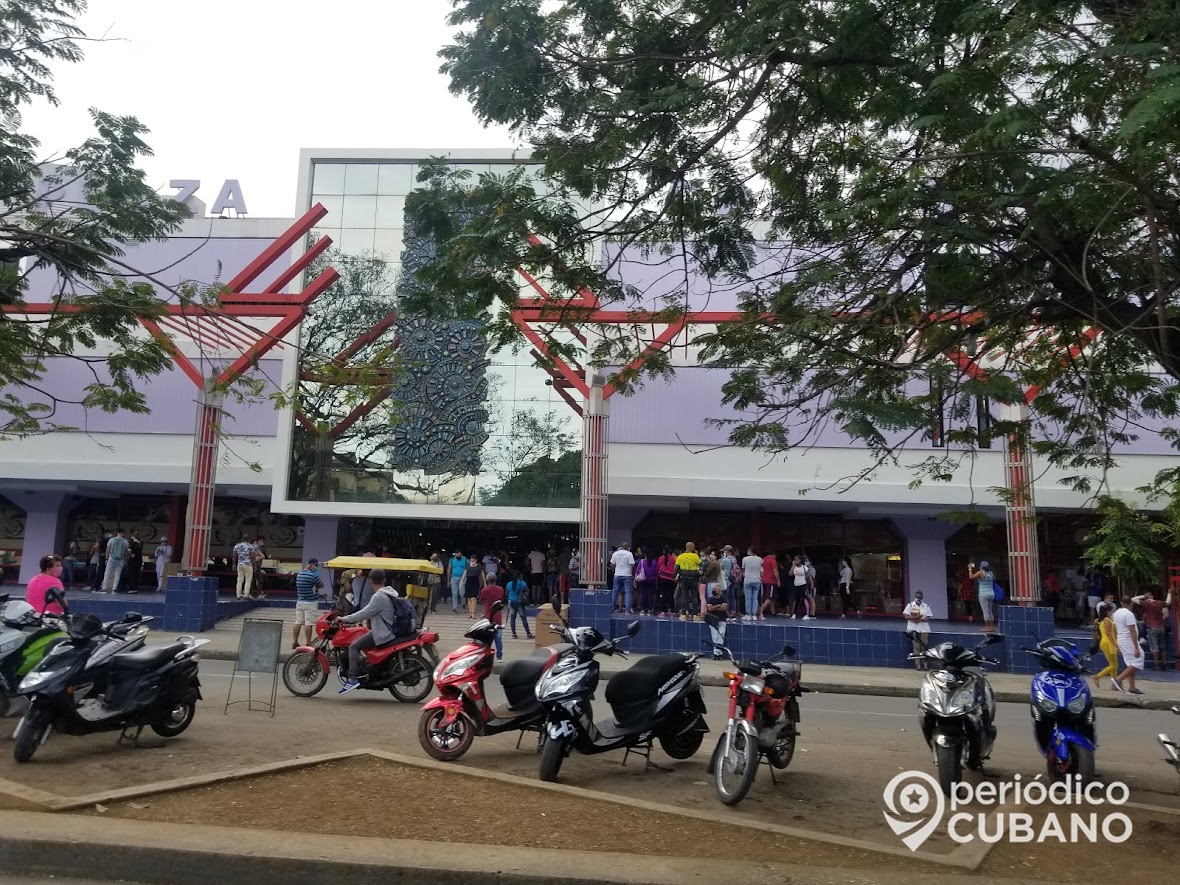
<point>442,387</point>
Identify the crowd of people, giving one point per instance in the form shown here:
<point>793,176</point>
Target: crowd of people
<point>679,582</point>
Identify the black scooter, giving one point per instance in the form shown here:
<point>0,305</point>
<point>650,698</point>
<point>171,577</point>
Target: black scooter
<point>91,682</point>
<point>657,699</point>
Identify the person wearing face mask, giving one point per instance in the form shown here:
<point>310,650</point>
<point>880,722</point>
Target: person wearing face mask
<point>45,592</point>
<point>917,627</point>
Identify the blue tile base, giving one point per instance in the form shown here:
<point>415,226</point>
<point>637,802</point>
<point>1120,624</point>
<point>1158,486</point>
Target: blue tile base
<point>859,643</point>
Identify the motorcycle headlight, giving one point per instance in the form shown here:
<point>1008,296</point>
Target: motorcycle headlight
<point>445,670</point>
<point>554,685</point>
<point>1047,704</point>
<point>961,700</point>
<point>753,684</point>
<point>39,677</point>
<point>1077,704</point>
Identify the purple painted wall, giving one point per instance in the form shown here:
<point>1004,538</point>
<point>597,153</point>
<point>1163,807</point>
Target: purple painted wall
<point>171,396</point>
<point>677,410</point>
<point>207,261</point>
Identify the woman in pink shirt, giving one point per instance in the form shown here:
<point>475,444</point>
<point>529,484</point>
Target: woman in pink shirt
<point>39,587</point>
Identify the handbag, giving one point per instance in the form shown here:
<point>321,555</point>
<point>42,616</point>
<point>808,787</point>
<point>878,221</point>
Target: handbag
<point>999,591</point>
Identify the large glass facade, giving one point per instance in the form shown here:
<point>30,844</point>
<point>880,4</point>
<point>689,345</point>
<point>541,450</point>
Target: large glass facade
<point>458,424</point>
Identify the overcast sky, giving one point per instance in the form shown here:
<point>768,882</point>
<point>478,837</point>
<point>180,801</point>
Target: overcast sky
<point>234,88</point>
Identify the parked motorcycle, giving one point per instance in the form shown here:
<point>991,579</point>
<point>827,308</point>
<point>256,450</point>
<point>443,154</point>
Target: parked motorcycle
<point>957,708</point>
<point>763,721</point>
<point>461,712</point>
<point>659,698</point>
<point>1172,748</point>
<point>93,681</point>
<point>1063,710</point>
<point>25,637</point>
<point>405,668</point>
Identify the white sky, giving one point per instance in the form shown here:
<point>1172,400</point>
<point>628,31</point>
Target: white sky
<point>234,88</point>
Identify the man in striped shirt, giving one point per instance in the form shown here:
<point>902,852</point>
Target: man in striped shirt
<point>308,590</point>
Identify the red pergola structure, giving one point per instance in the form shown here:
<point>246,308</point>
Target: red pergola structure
<point>222,327</point>
<point>541,315</point>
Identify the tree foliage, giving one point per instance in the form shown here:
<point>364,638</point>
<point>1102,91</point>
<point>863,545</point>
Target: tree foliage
<point>1128,542</point>
<point>896,188</point>
<point>66,220</point>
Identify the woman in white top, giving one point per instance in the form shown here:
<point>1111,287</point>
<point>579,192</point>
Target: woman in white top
<point>917,626</point>
<point>846,588</point>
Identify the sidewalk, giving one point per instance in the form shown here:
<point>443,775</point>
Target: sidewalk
<point>1161,693</point>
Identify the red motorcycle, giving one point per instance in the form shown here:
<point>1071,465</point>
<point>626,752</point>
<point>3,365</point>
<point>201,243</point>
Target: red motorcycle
<point>452,720</point>
<point>405,668</point>
<point>763,722</point>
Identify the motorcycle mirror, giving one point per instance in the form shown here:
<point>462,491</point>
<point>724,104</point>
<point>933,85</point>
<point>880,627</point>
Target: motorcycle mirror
<point>132,618</point>
<point>497,606</point>
<point>788,650</point>
<point>632,628</point>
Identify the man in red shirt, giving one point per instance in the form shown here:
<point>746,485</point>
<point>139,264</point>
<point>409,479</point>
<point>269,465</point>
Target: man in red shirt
<point>1153,620</point>
<point>489,595</point>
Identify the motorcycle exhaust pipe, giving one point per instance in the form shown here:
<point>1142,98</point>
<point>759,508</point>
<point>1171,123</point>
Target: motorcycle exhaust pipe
<point>1170,746</point>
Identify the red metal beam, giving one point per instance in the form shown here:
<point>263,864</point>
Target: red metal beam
<point>182,362</point>
<point>657,344</point>
<point>275,250</point>
<point>367,338</point>
<point>300,264</point>
<point>578,383</point>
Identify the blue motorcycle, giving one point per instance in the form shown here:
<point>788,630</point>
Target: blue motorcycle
<point>1063,710</point>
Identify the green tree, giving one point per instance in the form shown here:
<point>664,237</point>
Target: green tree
<point>1128,542</point>
<point>887,183</point>
<point>66,220</point>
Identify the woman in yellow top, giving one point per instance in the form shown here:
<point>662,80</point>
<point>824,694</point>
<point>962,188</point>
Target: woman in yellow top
<point>1107,644</point>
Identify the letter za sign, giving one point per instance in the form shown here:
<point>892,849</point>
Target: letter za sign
<point>229,197</point>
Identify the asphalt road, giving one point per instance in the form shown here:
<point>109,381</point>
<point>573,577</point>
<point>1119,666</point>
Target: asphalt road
<point>849,749</point>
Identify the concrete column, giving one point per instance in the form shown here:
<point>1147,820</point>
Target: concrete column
<point>321,537</point>
<point>46,515</point>
<point>924,559</point>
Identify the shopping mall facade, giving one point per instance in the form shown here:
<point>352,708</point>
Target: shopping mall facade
<point>478,451</point>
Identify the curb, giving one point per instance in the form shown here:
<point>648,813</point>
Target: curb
<point>1003,696</point>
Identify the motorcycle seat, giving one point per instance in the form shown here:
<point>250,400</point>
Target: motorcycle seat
<point>525,671</point>
<point>381,652</point>
<point>147,658</point>
<point>643,680</point>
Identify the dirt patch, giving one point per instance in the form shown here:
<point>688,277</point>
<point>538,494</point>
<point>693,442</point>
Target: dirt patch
<point>1152,854</point>
<point>459,808</point>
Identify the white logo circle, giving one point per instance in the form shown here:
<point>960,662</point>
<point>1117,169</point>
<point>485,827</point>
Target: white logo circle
<point>910,794</point>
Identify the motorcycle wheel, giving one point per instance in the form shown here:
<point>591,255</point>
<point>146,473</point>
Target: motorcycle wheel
<point>950,766</point>
<point>415,683</point>
<point>444,743</point>
<point>303,675</point>
<point>682,746</point>
<point>783,751</point>
<point>552,755</point>
<point>733,773</point>
<point>1081,762</point>
<point>29,734</point>
<point>178,720</point>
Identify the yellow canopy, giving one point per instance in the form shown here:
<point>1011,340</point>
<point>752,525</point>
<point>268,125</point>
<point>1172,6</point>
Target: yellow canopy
<point>381,562</point>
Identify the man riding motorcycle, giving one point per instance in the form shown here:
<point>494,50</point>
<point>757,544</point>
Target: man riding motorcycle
<point>392,621</point>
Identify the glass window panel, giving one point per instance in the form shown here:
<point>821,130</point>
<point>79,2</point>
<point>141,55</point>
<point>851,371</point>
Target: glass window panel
<point>388,242</point>
<point>320,232</point>
<point>358,211</point>
<point>327,178</point>
<point>333,204</point>
<point>391,211</point>
<point>361,178</point>
<point>395,178</point>
<point>476,169</point>
<point>355,241</point>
